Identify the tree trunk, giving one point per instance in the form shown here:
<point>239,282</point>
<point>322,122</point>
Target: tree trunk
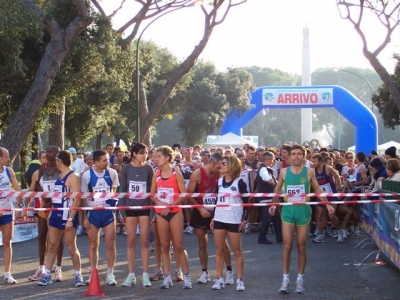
<point>24,164</point>
<point>143,110</point>
<point>99,137</point>
<point>57,122</point>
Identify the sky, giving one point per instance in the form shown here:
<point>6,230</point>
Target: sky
<point>268,33</point>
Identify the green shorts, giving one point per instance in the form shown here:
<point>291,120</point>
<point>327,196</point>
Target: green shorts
<point>296,215</point>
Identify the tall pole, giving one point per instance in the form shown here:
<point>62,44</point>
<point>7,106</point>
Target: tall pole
<point>137,64</point>
<point>339,121</point>
<point>306,113</point>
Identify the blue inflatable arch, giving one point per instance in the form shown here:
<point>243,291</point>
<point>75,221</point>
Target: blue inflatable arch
<point>366,133</point>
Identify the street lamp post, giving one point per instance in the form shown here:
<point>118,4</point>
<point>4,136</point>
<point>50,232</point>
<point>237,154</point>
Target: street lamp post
<point>137,63</point>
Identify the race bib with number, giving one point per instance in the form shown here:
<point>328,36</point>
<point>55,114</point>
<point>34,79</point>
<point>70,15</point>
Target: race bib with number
<point>98,200</point>
<point>295,192</point>
<point>210,201</point>
<point>48,185</point>
<point>137,187</point>
<point>165,195</point>
<point>57,189</point>
<point>326,188</point>
<point>225,200</point>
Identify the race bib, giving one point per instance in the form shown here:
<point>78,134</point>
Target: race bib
<point>326,188</point>
<point>48,185</point>
<point>225,200</point>
<point>210,201</point>
<point>98,200</point>
<point>296,191</point>
<point>57,189</point>
<point>137,187</point>
<point>165,195</point>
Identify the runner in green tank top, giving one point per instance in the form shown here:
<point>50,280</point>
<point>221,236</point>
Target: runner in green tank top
<point>296,180</point>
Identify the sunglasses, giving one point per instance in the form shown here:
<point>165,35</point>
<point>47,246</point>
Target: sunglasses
<point>224,163</point>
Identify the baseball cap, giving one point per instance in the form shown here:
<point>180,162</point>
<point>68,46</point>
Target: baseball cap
<point>72,150</point>
<point>90,154</point>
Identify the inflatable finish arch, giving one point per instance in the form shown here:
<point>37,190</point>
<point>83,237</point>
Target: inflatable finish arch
<point>366,128</point>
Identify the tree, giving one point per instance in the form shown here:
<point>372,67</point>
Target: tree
<point>61,40</point>
<point>384,100</point>
<point>388,14</point>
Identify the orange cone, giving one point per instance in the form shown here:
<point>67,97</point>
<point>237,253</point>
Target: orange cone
<point>94,285</point>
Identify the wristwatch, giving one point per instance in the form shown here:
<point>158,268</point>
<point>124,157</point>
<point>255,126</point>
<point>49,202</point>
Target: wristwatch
<point>69,219</point>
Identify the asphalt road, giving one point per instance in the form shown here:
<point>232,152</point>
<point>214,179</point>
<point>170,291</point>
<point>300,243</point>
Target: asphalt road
<point>326,275</point>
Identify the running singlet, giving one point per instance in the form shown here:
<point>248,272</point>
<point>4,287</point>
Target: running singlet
<point>207,185</point>
<point>5,185</point>
<point>166,187</point>
<point>325,181</point>
<point>47,183</point>
<point>229,214</point>
<point>59,201</point>
<point>296,185</point>
<point>99,185</point>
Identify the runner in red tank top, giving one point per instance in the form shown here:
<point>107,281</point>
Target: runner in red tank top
<point>204,180</point>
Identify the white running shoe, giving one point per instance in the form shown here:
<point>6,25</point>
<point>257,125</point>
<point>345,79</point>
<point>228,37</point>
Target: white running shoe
<point>340,237</point>
<point>189,229</point>
<point>219,284</point>
<point>229,278</point>
<point>204,278</point>
<point>131,279</point>
<point>110,280</point>
<point>284,287</point>
<point>80,230</point>
<point>300,287</point>
<point>187,282</point>
<point>58,275</point>
<point>101,232</point>
<point>240,285</point>
<point>9,280</point>
<point>167,283</point>
<point>146,280</point>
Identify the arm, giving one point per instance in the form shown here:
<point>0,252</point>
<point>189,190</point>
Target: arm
<point>123,189</point>
<point>335,175</point>
<point>34,180</point>
<point>195,179</point>
<point>364,178</point>
<point>277,189</point>
<point>317,189</point>
<point>263,173</point>
<point>16,187</point>
<point>74,183</point>
<point>181,186</point>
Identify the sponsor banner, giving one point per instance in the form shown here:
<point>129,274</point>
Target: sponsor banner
<point>382,222</point>
<point>253,139</point>
<point>23,229</point>
<point>297,97</point>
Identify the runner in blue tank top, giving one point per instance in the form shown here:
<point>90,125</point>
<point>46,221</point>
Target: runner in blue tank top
<point>64,221</point>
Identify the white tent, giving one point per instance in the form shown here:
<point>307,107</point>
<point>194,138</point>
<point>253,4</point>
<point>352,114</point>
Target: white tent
<point>228,139</point>
<point>383,147</point>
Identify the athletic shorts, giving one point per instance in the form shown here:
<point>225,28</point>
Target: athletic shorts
<point>137,212</point>
<point>57,221</point>
<point>101,218</point>
<point>197,221</point>
<point>168,217</point>
<point>6,219</point>
<point>296,215</point>
<point>227,226</point>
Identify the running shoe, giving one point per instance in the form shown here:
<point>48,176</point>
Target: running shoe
<point>79,280</point>
<point>335,233</point>
<point>138,230</point>
<point>204,278</point>
<point>36,276</point>
<point>319,239</point>
<point>300,287</point>
<point>146,281</point>
<point>110,280</point>
<point>285,287</point>
<point>157,276</point>
<point>189,229</point>
<point>131,279</point>
<point>178,275</point>
<point>340,237</point>
<point>240,285</point>
<point>229,278</point>
<point>357,231</point>
<point>58,275</point>
<point>80,230</point>
<point>166,283</point>
<point>151,247</point>
<point>45,280</point>
<point>101,232</point>
<point>219,284</point>
<point>247,228</point>
<point>87,282</point>
<point>346,234</point>
<point>9,280</point>
<point>187,282</point>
